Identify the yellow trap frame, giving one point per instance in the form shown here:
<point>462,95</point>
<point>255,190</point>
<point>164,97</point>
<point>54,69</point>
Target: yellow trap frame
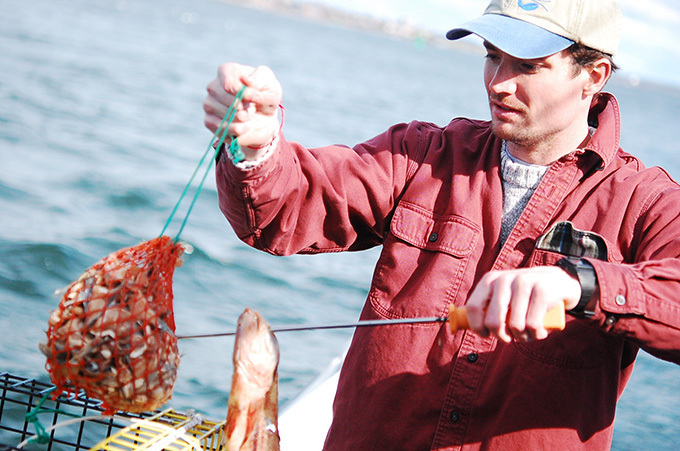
<point>167,430</point>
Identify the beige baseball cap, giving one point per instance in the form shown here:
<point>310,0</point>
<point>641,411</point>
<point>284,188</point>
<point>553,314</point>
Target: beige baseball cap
<point>538,28</point>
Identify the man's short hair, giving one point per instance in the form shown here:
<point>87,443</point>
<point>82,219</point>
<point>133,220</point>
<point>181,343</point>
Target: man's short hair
<point>585,56</point>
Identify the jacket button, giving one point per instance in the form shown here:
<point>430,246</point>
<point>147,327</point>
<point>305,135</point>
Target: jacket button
<point>433,237</point>
<point>620,300</point>
<point>454,416</point>
<point>472,358</point>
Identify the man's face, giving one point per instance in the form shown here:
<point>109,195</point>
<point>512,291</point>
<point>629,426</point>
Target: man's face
<point>537,102</point>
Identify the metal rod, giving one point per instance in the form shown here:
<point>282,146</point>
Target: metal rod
<point>368,323</point>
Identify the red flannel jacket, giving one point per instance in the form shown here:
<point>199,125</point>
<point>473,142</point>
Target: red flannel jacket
<point>432,197</point>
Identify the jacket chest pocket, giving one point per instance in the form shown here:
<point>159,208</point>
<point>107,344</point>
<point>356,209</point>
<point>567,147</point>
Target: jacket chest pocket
<point>422,266</point>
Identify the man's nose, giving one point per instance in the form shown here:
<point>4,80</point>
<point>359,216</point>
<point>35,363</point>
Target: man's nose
<point>502,79</point>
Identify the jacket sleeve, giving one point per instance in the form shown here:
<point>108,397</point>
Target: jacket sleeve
<point>327,199</point>
<point>639,300</point>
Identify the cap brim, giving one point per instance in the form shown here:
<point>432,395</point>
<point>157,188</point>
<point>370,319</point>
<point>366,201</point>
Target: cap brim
<point>513,36</point>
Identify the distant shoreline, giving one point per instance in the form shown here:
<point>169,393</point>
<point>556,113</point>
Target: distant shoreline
<point>326,14</point>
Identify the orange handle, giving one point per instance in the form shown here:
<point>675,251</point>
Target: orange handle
<point>554,318</point>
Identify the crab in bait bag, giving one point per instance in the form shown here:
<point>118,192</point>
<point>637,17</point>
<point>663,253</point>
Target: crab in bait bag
<point>113,334</point>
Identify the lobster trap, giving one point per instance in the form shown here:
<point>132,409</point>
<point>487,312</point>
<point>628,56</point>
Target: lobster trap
<point>75,422</point>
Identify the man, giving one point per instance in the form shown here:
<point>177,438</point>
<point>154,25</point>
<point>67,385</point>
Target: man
<point>510,217</point>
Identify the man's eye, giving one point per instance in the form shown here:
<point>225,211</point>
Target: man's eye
<point>491,57</point>
<point>528,67</point>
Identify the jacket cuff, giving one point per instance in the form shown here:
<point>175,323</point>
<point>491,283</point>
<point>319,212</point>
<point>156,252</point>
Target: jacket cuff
<point>246,171</point>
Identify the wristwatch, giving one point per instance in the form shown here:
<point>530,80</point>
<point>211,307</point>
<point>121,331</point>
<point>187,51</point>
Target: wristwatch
<point>584,272</point>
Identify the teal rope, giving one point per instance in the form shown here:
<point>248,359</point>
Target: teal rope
<point>41,435</point>
<point>234,149</point>
<point>44,435</point>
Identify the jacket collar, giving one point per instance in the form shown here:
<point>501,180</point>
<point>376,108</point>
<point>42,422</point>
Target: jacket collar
<point>606,117</point>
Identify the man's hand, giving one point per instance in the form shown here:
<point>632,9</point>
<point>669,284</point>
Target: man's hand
<point>256,121</point>
<point>512,304</point>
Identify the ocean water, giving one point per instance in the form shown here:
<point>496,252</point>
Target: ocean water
<point>101,128</point>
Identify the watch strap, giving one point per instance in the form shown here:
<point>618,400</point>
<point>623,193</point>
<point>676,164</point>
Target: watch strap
<point>584,272</point>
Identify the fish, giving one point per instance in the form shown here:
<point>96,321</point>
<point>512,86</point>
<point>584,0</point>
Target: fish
<point>252,407</point>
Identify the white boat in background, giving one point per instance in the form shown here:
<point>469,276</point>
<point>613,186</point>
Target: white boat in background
<point>304,421</point>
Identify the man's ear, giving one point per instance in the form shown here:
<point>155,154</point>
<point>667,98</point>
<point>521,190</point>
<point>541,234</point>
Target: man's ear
<point>598,75</point>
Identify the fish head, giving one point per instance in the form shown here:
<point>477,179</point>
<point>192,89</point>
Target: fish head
<point>256,350</point>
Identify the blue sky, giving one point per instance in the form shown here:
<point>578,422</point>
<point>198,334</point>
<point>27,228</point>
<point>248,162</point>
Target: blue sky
<point>650,45</point>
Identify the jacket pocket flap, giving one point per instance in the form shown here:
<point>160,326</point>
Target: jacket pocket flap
<point>451,234</point>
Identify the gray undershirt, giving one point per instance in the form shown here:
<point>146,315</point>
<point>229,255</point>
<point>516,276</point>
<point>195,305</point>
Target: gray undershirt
<point>520,180</point>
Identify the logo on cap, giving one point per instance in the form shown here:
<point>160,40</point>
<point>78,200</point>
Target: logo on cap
<point>532,5</point>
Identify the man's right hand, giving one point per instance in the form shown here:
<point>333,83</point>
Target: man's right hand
<point>256,121</point>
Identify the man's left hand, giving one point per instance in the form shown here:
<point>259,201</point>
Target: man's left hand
<point>513,303</point>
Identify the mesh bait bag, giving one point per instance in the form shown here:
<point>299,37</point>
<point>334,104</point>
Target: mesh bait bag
<point>113,333</point>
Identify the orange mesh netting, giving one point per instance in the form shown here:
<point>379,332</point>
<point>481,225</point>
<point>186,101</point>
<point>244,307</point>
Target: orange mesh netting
<point>113,333</point>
